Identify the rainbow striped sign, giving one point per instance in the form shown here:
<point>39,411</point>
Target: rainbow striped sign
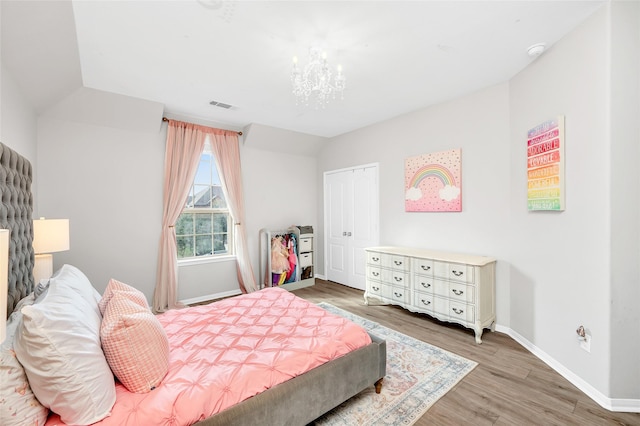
<point>433,182</point>
<point>545,166</point>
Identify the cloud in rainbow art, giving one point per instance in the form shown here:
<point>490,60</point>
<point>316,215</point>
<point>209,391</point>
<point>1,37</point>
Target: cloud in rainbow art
<point>449,192</point>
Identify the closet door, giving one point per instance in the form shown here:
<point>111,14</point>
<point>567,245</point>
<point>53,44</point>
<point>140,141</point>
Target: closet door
<point>351,223</point>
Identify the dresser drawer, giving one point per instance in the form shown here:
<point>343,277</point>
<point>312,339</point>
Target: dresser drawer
<point>374,258</point>
<point>453,311</point>
<point>399,278</point>
<point>374,273</point>
<point>423,284</point>
<point>305,259</point>
<point>460,272</point>
<point>461,312</point>
<point>461,292</point>
<point>455,291</point>
<point>423,266</point>
<point>399,294</point>
<point>453,271</point>
<point>306,244</point>
<point>396,262</point>
<point>376,289</point>
<point>423,301</point>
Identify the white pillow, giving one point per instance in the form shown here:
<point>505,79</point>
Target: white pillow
<point>59,347</point>
<point>75,279</point>
<point>18,404</point>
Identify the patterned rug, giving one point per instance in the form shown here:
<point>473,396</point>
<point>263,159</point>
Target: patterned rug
<point>418,374</point>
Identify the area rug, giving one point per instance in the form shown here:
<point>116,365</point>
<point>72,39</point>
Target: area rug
<point>418,374</point>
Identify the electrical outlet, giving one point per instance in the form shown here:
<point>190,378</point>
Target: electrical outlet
<point>586,343</point>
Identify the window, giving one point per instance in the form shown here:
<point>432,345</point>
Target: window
<point>204,227</point>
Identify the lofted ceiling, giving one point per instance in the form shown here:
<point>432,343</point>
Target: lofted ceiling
<point>397,56</point>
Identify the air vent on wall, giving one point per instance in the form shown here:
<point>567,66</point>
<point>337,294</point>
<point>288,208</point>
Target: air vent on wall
<point>220,104</point>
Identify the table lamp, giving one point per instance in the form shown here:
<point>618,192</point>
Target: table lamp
<point>49,236</point>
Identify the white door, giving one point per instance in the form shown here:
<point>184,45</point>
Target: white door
<point>351,222</point>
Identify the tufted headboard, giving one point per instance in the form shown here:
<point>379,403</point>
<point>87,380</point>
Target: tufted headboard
<point>16,211</point>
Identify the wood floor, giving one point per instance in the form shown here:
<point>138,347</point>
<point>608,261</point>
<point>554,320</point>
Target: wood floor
<point>510,386</point>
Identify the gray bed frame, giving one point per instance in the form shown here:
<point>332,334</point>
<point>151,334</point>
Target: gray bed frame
<point>304,398</point>
<point>297,401</point>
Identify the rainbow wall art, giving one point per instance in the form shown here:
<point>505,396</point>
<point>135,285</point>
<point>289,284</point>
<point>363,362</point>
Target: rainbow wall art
<point>545,166</point>
<point>433,182</point>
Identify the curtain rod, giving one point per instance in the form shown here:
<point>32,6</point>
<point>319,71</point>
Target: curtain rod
<point>167,120</point>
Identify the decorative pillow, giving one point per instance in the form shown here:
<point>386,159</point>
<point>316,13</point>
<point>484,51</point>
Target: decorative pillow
<point>134,343</point>
<point>18,404</point>
<point>59,346</point>
<point>133,294</point>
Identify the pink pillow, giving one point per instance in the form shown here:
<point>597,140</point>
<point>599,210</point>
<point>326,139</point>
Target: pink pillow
<point>134,343</point>
<point>133,294</point>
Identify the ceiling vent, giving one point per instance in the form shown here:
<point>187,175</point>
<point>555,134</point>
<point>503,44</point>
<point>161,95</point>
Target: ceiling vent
<point>220,104</point>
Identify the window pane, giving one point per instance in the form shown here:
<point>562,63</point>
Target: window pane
<point>220,222</point>
<point>203,175</point>
<point>202,197</point>
<point>185,246</point>
<point>184,225</point>
<point>203,223</point>
<point>203,245</point>
<point>220,243</point>
<point>217,197</point>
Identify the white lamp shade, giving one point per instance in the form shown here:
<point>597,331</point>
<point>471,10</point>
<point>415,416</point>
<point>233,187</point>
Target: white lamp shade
<point>50,235</point>
<point>4,270</point>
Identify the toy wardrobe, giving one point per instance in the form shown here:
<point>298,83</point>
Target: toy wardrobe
<point>286,257</point>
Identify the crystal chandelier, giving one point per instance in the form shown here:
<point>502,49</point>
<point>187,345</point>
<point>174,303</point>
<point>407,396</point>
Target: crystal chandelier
<point>316,80</point>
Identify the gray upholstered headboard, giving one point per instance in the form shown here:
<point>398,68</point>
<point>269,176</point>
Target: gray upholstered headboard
<point>16,214</point>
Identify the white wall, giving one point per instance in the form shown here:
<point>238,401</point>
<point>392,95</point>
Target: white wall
<point>625,202</point>
<point>478,124</point>
<point>560,261</point>
<point>18,119</point>
<point>556,271</point>
<point>279,190</point>
<point>108,182</point>
<point>104,171</point>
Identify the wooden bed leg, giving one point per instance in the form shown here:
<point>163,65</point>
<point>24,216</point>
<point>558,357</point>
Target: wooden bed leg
<point>378,385</point>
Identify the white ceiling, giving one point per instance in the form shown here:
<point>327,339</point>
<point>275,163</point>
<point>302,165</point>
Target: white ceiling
<point>397,56</point>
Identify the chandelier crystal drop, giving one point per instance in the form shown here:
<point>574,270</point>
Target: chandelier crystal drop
<point>316,80</point>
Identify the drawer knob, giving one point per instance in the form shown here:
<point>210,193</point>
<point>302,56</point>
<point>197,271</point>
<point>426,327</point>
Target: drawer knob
<point>426,285</point>
<point>425,302</point>
<point>425,268</point>
<point>375,259</point>
<point>457,292</point>
<point>376,288</point>
<point>457,273</point>
<point>397,262</point>
<point>395,293</point>
<point>398,279</point>
<point>457,311</point>
<point>375,274</point>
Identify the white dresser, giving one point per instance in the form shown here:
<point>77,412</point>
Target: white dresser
<point>451,287</point>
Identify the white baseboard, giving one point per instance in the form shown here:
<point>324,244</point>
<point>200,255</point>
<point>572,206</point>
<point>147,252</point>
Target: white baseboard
<point>611,404</point>
<point>209,297</point>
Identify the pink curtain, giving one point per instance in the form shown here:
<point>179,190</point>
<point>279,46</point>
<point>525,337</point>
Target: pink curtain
<point>226,148</point>
<point>185,143</point>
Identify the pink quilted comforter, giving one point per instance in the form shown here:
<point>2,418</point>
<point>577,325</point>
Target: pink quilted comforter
<point>226,352</point>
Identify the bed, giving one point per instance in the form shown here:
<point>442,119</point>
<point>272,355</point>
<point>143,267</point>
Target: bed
<point>319,382</point>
